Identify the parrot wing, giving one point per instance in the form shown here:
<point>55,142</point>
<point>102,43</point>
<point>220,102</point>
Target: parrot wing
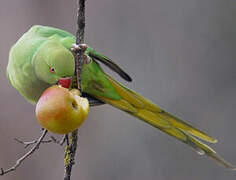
<point>144,109</point>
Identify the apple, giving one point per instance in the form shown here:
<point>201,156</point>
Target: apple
<point>61,111</point>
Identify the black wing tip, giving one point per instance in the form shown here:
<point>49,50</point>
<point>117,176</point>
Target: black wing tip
<point>109,63</point>
<point>127,77</point>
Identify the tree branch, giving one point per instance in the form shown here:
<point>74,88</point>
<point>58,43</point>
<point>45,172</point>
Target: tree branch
<point>19,161</point>
<point>70,152</point>
<point>80,40</point>
<point>79,61</point>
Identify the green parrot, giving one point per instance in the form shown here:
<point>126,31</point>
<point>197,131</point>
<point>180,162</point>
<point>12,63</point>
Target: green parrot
<point>43,57</point>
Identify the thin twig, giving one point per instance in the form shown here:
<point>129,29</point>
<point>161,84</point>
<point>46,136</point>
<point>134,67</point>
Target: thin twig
<point>52,140</point>
<point>79,61</point>
<point>19,161</point>
<point>63,140</point>
<point>29,143</point>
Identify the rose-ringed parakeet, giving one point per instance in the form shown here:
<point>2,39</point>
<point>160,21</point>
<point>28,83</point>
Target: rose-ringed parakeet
<point>43,57</point>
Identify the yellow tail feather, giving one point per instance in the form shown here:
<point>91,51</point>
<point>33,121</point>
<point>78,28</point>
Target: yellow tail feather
<point>141,103</point>
<point>149,112</point>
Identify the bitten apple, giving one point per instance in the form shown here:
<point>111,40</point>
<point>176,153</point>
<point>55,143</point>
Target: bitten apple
<point>61,111</point>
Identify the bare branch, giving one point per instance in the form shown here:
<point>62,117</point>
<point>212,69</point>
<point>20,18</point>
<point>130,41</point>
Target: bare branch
<point>29,143</point>
<point>70,152</point>
<point>19,161</point>
<point>63,140</point>
<point>52,140</point>
<point>79,61</point>
<point>80,40</point>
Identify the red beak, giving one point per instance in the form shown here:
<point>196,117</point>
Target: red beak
<point>65,82</point>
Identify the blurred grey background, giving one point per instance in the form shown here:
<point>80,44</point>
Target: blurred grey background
<point>180,54</point>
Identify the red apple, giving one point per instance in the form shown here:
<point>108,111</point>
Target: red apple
<point>61,111</point>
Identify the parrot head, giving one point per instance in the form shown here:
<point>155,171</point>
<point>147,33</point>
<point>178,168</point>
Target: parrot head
<point>53,63</point>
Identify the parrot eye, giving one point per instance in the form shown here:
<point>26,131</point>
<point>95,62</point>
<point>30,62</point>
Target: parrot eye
<point>52,69</point>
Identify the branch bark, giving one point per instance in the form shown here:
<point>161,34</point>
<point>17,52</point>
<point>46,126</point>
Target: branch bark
<point>80,40</point>
<point>70,150</point>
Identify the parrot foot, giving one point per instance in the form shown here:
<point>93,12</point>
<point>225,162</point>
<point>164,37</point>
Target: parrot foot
<point>79,47</point>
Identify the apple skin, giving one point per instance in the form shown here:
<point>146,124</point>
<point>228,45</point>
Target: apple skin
<point>61,111</point>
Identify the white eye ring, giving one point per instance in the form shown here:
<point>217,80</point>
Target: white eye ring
<point>52,70</point>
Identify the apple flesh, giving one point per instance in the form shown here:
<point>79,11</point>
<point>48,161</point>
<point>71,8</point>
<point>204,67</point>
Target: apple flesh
<point>61,111</point>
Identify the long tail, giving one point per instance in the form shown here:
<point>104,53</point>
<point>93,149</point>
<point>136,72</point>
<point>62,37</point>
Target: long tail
<point>150,113</point>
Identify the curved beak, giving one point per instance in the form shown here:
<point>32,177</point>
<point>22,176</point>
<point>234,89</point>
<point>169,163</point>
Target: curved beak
<point>65,82</point>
